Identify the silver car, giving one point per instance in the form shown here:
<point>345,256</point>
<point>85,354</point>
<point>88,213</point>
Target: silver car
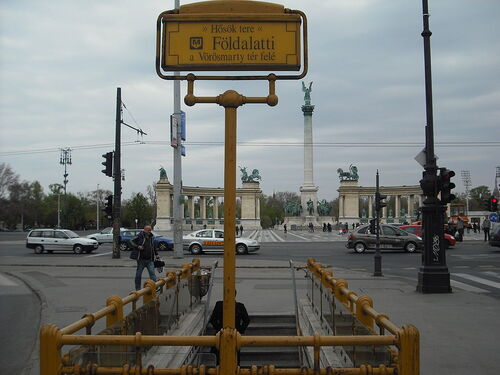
<point>104,236</point>
<point>212,240</point>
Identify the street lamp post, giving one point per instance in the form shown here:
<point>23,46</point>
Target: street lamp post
<point>433,276</point>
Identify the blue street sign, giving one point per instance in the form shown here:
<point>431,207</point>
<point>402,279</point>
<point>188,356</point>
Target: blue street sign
<point>183,125</point>
<point>494,217</point>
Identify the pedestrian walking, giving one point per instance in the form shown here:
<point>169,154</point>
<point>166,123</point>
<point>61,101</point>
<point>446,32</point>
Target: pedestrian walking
<point>241,229</point>
<point>460,229</point>
<point>237,229</point>
<point>144,251</point>
<point>284,228</point>
<point>329,227</point>
<point>486,228</point>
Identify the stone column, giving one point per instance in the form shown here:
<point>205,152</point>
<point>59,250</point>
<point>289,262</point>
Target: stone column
<point>410,205</point>
<point>191,206</point>
<point>164,205</point>
<point>308,191</point>
<point>216,207</point>
<point>203,208</point>
<point>370,206</point>
<point>397,206</point>
<point>341,207</point>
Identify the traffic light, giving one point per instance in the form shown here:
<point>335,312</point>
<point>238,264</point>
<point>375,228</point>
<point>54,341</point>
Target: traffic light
<point>493,204</point>
<point>108,207</point>
<point>372,226</point>
<point>108,164</point>
<point>379,201</point>
<point>446,186</point>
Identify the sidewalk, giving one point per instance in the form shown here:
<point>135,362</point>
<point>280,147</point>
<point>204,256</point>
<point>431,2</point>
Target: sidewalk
<point>458,331</point>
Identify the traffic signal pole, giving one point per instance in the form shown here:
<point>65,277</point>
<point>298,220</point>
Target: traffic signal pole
<point>378,206</point>
<point>433,276</point>
<point>117,177</point>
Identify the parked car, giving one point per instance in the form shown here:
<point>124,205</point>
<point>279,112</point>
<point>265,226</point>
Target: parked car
<point>417,231</point>
<point>162,243</point>
<point>50,240</point>
<point>495,236</point>
<point>212,240</point>
<point>390,236</point>
<point>104,236</point>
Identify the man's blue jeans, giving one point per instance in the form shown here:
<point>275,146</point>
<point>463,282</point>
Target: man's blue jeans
<point>141,264</point>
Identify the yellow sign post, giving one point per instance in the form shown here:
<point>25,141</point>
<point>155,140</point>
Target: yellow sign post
<point>230,35</point>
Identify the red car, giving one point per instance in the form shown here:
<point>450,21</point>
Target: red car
<point>417,230</point>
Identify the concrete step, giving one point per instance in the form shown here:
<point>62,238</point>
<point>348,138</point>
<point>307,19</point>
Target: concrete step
<point>264,325</point>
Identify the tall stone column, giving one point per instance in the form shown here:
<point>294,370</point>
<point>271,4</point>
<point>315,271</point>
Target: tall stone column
<point>308,191</point>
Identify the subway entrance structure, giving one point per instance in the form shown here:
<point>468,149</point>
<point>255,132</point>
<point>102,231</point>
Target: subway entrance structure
<point>336,331</point>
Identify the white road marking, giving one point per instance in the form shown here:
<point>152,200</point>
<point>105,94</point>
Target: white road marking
<point>4,281</point>
<point>467,287</point>
<point>479,280</point>
<point>99,255</point>
<point>296,235</point>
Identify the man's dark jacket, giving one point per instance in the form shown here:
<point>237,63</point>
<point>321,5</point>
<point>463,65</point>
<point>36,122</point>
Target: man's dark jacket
<point>149,251</point>
<point>242,318</point>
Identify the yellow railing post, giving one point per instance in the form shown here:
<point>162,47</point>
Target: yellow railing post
<point>50,350</point>
<point>360,314</point>
<point>409,351</point>
<point>152,291</point>
<point>117,314</point>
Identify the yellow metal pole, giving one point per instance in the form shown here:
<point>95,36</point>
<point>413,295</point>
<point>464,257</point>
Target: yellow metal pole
<point>228,339</point>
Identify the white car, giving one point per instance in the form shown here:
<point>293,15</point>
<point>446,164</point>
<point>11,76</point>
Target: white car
<point>212,240</point>
<point>104,236</point>
<point>50,240</point>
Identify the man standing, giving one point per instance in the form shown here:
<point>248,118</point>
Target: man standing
<point>486,228</point>
<point>145,246</point>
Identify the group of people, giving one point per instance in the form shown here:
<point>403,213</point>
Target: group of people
<point>239,230</point>
<point>457,229</point>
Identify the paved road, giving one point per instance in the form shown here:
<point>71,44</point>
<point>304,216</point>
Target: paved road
<point>65,286</point>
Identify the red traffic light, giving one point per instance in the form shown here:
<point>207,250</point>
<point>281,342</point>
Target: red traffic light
<point>494,200</point>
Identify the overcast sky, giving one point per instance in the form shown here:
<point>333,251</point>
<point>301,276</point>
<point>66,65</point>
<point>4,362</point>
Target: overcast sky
<point>61,62</point>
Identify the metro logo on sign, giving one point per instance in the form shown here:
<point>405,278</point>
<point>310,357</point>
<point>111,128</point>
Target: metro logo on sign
<point>196,42</point>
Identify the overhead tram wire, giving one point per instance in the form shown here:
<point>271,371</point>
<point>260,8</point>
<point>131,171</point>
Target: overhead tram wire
<point>468,144</point>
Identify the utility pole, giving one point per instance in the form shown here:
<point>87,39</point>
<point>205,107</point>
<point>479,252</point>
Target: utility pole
<point>379,204</point>
<point>98,197</point>
<point>65,159</point>
<point>114,169</point>
<point>178,252</point>
<point>433,275</point>
<point>117,177</point>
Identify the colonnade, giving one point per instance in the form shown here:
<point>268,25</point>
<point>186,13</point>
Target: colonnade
<point>205,197</point>
<point>350,195</point>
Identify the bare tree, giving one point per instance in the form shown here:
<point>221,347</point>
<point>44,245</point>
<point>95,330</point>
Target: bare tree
<point>7,179</point>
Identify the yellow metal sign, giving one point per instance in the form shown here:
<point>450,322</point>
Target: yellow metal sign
<point>243,45</point>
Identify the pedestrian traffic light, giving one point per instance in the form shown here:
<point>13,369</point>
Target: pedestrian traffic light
<point>108,207</point>
<point>493,204</point>
<point>108,164</point>
<point>446,186</point>
<point>372,226</point>
<point>379,201</point>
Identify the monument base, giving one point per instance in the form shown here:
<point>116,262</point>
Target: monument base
<point>302,222</point>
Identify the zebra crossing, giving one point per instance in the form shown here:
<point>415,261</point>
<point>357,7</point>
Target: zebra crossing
<point>270,235</point>
<point>479,282</point>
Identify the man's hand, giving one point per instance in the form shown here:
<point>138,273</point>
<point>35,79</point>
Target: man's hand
<point>140,247</point>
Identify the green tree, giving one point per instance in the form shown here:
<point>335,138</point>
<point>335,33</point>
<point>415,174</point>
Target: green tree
<point>477,197</point>
<point>138,208</point>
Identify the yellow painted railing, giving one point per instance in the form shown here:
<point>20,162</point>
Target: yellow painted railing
<point>405,339</point>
